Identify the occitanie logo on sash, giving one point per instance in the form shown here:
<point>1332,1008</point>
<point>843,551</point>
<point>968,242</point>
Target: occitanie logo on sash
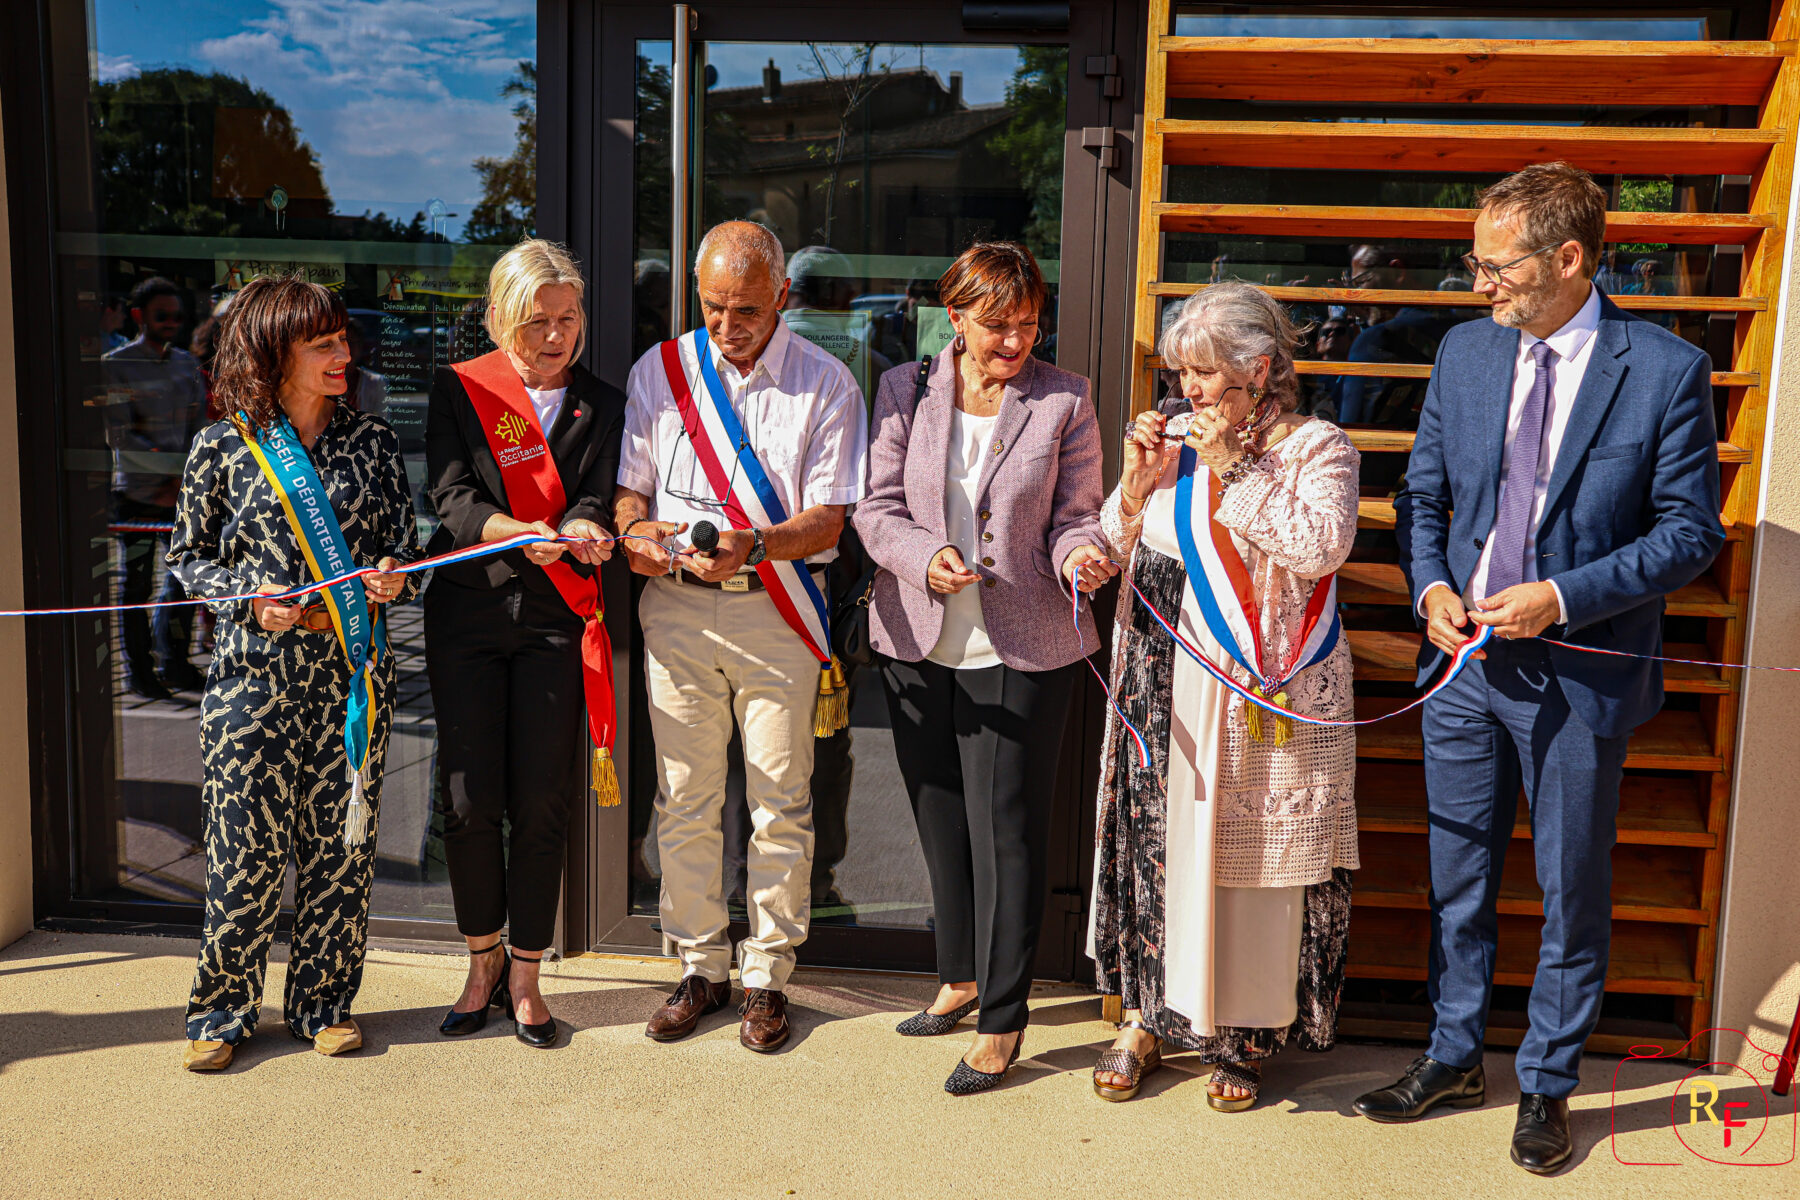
<point>512,427</point>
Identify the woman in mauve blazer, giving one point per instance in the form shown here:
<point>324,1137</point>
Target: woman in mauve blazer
<point>982,512</point>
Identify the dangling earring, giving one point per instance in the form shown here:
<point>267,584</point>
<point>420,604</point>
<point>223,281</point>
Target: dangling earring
<point>959,346</point>
<point>1257,393</point>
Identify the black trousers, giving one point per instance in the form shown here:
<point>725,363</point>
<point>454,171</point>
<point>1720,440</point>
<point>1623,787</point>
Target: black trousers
<point>978,750</point>
<point>505,671</point>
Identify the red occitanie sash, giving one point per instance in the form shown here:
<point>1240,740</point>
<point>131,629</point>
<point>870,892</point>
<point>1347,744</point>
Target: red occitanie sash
<point>534,491</point>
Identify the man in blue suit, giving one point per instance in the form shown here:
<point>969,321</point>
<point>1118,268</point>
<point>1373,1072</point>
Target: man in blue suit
<point>1564,478</point>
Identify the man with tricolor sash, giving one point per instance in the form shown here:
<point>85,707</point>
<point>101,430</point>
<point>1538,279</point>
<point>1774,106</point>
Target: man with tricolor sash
<point>746,433</point>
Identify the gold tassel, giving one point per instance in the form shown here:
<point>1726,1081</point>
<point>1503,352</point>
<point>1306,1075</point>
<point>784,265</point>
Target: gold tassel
<point>823,711</point>
<point>1284,726</point>
<point>1253,716</point>
<point>840,710</point>
<point>606,778</point>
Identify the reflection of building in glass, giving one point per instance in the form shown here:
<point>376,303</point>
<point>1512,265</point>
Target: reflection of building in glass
<point>915,174</point>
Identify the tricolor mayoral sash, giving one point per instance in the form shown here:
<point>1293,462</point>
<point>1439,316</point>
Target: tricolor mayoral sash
<point>750,502</point>
<point>534,492</point>
<point>362,635</point>
<point>1227,601</point>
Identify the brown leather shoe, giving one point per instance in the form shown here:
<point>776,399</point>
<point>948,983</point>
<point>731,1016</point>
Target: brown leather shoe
<point>765,1028</point>
<point>692,999</point>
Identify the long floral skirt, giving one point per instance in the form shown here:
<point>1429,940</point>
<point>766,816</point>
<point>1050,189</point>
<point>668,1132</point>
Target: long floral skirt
<point>1129,891</point>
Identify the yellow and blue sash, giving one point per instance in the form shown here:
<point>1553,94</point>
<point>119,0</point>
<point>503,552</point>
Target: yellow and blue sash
<point>289,470</point>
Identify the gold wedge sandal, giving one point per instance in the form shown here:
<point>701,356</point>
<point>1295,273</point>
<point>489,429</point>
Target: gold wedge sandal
<point>1238,1075</point>
<point>1123,1062</point>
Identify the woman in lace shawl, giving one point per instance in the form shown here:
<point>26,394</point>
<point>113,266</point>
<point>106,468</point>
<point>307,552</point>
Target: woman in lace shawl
<point>1222,871</point>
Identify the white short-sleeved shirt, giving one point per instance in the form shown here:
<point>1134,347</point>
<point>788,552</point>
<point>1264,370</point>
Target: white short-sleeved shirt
<point>802,414</point>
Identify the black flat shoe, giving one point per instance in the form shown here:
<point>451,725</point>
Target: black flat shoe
<point>541,1036</point>
<point>1427,1084</point>
<point>461,1024</point>
<point>1540,1141</point>
<point>930,1024</point>
<point>966,1080</point>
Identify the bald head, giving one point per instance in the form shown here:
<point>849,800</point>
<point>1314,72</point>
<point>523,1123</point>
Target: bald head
<point>740,275</point>
<point>739,249</point>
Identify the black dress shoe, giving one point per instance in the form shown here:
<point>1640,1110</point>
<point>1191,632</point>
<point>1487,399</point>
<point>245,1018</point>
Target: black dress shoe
<point>1541,1142</point>
<point>541,1036</point>
<point>461,1024</point>
<point>1426,1084</point>
<point>146,686</point>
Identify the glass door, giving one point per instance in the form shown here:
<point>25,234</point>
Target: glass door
<point>876,154</point>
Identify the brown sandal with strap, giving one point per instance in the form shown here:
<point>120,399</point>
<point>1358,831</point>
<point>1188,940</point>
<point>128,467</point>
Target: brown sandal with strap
<point>1247,1076</point>
<point>1117,1061</point>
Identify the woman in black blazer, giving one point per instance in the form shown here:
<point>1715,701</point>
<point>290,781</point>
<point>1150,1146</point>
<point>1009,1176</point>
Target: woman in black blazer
<point>502,645</point>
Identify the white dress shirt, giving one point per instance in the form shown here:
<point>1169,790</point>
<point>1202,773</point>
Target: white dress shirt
<point>963,643</point>
<point>802,414</point>
<point>1571,348</point>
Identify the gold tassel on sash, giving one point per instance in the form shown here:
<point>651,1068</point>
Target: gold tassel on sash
<point>840,707</point>
<point>825,711</point>
<point>606,778</point>
<point>1253,717</point>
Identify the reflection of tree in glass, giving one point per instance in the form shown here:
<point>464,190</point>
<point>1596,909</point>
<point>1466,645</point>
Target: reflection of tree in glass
<point>181,152</point>
<point>1033,141</point>
<point>651,179</point>
<point>507,210</point>
<point>856,76</point>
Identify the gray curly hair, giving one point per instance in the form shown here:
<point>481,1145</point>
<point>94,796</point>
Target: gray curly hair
<point>1232,324</point>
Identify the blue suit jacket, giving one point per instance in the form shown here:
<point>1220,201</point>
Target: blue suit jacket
<point>1632,510</point>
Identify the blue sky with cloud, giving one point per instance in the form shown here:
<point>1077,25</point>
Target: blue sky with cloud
<point>397,97</point>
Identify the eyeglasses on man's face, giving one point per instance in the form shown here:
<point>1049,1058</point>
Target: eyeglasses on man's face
<point>1496,272</point>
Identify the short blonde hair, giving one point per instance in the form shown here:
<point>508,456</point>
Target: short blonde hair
<point>1232,324</point>
<point>516,279</point>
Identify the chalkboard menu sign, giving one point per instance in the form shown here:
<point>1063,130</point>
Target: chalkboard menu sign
<point>428,320</point>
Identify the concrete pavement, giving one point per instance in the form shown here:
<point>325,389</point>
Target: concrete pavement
<point>93,1103</point>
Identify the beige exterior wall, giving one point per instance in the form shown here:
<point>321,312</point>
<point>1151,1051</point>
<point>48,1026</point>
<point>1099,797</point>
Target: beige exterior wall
<point>1759,945</point>
<point>15,768</point>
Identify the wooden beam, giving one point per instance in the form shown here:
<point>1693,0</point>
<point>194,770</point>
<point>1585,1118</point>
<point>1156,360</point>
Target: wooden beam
<point>1334,222</point>
<point>1464,299</point>
<point>1400,441</point>
<point>1373,146</point>
<point>1148,266</point>
<point>1460,71</point>
<point>1316,366</point>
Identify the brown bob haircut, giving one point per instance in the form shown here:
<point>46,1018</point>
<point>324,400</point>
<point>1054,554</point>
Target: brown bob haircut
<point>1548,204</point>
<point>992,279</point>
<point>265,322</point>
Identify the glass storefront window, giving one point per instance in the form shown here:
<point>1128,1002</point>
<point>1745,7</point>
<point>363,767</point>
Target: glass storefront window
<point>385,150</point>
<point>876,164</point>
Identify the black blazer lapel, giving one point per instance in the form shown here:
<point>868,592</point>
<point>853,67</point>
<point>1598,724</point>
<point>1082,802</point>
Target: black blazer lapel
<point>1594,399</point>
<point>569,436</point>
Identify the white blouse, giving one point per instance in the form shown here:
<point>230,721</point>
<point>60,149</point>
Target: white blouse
<point>547,403</point>
<point>963,642</point>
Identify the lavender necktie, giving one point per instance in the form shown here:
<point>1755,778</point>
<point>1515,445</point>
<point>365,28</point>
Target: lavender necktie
<point>1506,565</point>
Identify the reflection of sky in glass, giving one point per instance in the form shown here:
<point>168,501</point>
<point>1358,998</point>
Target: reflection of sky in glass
<point>1630,29</point>
<point>986,70</point>
<point>396,97</point>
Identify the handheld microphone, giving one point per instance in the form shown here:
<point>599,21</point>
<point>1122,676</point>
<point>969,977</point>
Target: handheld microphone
<point>705,537</point>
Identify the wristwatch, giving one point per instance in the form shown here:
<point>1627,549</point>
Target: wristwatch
<point>758,551</point>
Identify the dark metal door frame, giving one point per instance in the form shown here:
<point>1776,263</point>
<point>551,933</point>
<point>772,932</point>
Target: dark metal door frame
<point>589,205</point>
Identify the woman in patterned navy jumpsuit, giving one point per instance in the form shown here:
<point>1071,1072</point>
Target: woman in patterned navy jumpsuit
<point>277,783</point>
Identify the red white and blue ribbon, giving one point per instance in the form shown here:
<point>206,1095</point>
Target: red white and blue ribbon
<point>716,434</point>
<point>1222,587</point>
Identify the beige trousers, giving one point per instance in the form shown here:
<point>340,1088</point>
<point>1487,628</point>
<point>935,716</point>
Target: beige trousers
<point>712,657</point>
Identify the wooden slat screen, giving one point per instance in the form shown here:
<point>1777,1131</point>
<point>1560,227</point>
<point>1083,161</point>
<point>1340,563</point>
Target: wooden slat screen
<point>1669,863</point>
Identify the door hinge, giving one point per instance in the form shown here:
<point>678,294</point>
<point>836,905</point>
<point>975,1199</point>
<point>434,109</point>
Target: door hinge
<point>1105,67</point>
<point>1103,139</point>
